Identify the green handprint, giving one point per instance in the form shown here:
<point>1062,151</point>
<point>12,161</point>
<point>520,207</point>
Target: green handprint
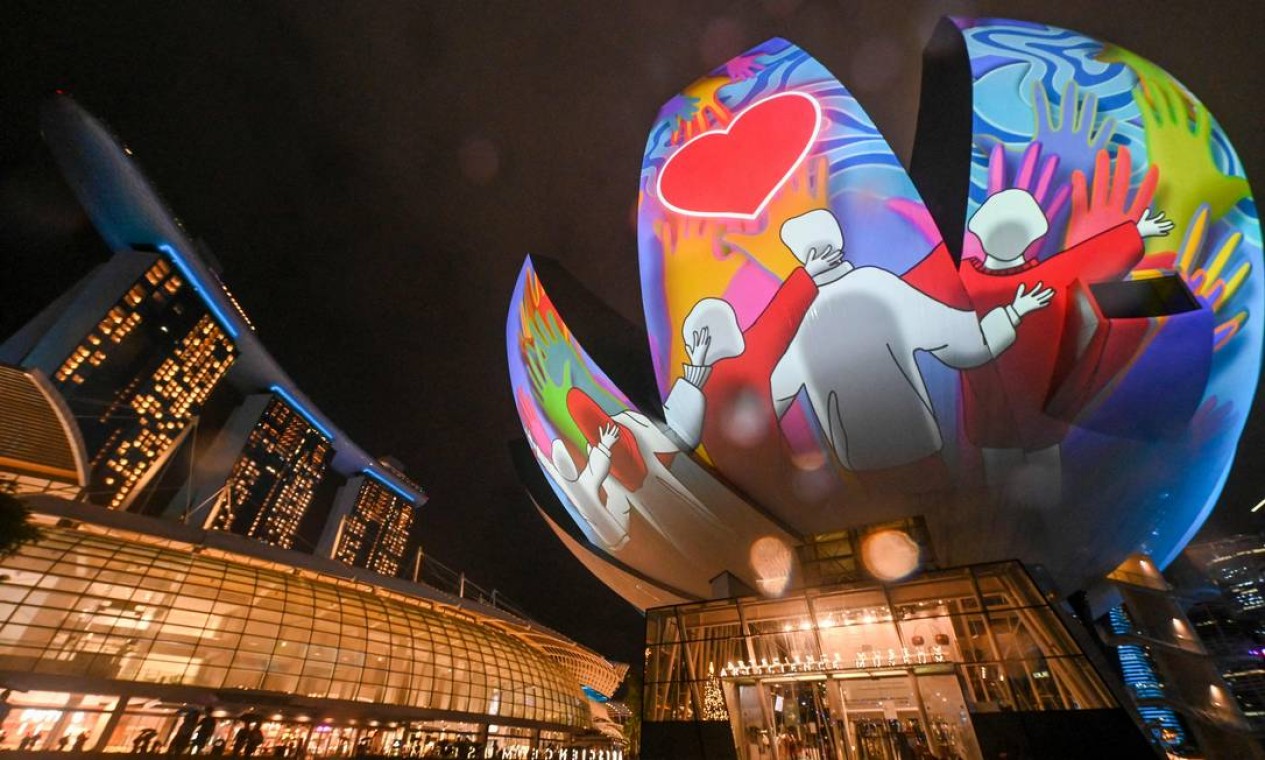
<point>1189,176</point>
<point>541,353</point>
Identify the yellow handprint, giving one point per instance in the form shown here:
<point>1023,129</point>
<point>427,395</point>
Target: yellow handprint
<point>807,189</point>
<point>1189,176</point>
<point>1203,271</point>
<point>696,265</point>
<point>701,99</point>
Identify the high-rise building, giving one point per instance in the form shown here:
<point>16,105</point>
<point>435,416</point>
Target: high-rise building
<point>1237,565</point>
<point>370,524</point>
<point>260,476</point>
<point>1231,619</point>
<point>1236,644</point>
<point>137,349</point>
<point>1175,680</point>
<point>120,630</point>
<point>135,355</point>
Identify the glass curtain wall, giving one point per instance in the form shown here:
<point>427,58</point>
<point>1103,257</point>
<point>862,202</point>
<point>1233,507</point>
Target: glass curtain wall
<point>85,604</point>
<point>981,639</point>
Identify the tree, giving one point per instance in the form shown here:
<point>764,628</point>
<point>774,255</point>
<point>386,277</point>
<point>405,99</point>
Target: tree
<point>15,525</point>
<point>713,697</point>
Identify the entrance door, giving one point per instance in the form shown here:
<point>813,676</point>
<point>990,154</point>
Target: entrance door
<point>883,718</point>
<point>873,717</point>
<point>803,723</point>
<point>905,716</point>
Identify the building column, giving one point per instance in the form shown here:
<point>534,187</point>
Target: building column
<point>103,740</point>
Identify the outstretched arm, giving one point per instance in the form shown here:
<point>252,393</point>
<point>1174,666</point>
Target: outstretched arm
<point>599,465</point>
<point>685,406</point>
<point>964,342</point>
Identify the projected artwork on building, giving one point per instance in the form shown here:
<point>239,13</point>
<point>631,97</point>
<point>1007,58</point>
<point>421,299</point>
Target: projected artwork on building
<point>1066,382</point>
<point>622,478</point>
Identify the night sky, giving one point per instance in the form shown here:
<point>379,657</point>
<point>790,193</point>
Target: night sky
<point>371,175</point>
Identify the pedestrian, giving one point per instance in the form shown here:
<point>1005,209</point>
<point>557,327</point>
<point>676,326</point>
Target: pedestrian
<point>254,739</point>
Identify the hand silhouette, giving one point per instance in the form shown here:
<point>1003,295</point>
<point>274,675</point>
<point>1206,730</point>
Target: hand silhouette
<point>1096,210</point>
<point>696,265</point>
<point>1070,133</point>
<point>1204,270</point>
<point>1182,149</point>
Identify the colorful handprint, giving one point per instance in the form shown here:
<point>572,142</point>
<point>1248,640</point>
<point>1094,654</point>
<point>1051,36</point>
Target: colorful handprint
<point>697,264</point>
<point>1182,149</point>
<point>1204,272</point>
<point>1033,175</point>
<point>555,365</point>
<point>1070,134</point>
<point>701,102</point>
<point>1106,205</point>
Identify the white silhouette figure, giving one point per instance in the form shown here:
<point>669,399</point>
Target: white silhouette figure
<point>854,352</point>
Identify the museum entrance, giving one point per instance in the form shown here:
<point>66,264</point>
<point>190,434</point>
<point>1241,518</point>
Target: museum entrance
<point>897,714</point>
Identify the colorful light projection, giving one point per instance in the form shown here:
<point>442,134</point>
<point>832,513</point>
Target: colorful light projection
<point>624,481</point>
<point>1071,390</point>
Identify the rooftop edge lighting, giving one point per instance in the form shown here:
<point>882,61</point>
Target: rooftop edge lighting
<point>394,487</point>
<point>303,411</point>
<point>201,288</point>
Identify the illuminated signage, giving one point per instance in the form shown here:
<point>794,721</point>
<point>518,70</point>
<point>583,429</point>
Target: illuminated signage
<point>525,753</point>
<point>862,659</point>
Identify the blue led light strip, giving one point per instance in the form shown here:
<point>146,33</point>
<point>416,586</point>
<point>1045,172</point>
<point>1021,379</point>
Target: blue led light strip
<point>303,411</point>
<point>201,288</point>
<point>390,485</point>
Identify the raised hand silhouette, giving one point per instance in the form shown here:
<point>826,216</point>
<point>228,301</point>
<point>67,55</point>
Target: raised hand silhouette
<point>698,264</point>
<point>1182,149</point>
<point>1104,206</point>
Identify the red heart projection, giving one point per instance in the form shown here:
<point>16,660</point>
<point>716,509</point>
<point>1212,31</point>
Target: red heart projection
<point>734,172</point>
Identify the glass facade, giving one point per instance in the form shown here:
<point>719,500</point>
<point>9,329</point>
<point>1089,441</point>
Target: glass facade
<point>867,665</point>
<point>139,376</point>
<point>374,534</point>
<point>98,603</point>
<point>275,477</point>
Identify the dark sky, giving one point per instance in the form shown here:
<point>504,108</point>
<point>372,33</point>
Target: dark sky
<point>371,175</point>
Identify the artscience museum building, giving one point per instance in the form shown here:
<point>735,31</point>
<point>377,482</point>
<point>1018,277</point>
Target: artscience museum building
<point>875,463</point>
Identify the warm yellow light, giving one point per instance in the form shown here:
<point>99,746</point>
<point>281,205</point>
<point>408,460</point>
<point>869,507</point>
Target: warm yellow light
<point>889,554</point>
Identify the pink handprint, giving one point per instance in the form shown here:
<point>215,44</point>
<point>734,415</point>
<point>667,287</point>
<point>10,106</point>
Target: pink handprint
<point>1105,206</point>
<point>1033,175</point>
<point>743,67</point>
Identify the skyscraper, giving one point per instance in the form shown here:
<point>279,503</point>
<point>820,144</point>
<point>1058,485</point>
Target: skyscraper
<point>370,524</point>
<point>140,344</point>
<point>135,354</point>
<point>260,475</point>
<point>1237,565</point>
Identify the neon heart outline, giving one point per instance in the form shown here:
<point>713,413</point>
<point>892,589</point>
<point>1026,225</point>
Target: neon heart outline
<point>808,146</point>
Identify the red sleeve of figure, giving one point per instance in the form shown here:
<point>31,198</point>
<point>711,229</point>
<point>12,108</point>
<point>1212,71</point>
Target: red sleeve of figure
<point>1106,256</point>
<point>771,333</point>
<point>936,276</point>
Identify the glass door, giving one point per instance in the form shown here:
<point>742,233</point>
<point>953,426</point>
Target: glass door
<point>901,717</point>
<point>803,725</point>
